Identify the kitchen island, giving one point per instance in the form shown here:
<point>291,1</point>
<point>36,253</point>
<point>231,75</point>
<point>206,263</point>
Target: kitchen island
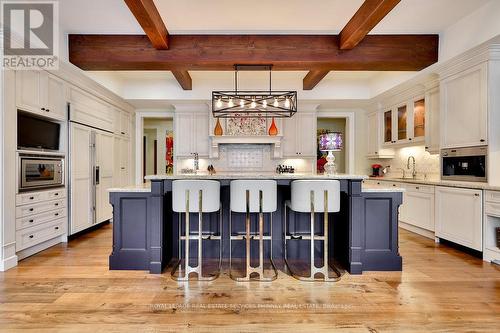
<point>364,232</point>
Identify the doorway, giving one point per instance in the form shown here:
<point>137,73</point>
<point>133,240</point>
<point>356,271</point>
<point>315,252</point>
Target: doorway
<point>155,141</point>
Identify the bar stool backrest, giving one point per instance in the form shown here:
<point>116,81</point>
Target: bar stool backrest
<point>238,195</point>
<point>301,195</point>
<point>210,193</point>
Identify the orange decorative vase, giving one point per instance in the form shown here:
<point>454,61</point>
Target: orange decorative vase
<point>273,130</point>
<point>218,128</point>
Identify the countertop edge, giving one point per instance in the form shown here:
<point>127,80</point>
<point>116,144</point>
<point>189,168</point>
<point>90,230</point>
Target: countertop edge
<point>446,183</point>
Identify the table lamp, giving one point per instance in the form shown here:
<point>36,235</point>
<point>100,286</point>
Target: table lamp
<point>330,142</point>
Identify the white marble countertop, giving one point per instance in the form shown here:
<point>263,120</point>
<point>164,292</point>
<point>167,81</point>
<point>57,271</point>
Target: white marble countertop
<point>375,189</point>
<point>255,175</point>
<point>438,182</point>
<point>132,188</point>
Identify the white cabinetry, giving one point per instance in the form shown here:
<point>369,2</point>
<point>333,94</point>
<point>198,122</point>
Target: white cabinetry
<point>40,216</point>
<point>374,138</point>
<point>121,123</point>
<point>41,93</point>
<point>121,166</point>
<point>191,134</point>
<point>459,216</point>
<point>418,208</point>
<point>464,108</point>
<point>299,135</point>
<point>432,121</point>
<point>491,250</point>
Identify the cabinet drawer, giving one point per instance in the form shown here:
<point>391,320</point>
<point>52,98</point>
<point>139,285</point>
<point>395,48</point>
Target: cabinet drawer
<point>492,208</point>
<point>41,207</point>
<point>35,235</point>
<point>420,188</point>
<point>30,221</point>
<point>32,197</point>
<point>492,196</point>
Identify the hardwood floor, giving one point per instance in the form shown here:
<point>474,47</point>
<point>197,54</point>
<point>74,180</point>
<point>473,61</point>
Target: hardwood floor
<point>68,288</point>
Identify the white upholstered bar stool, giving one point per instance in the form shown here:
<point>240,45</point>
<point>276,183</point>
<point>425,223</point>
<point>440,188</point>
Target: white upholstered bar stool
<point>196,196</point>
<point>314,196</point>
<point>253,196</point>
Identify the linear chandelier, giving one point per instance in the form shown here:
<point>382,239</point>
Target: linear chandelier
<point>253,104</point>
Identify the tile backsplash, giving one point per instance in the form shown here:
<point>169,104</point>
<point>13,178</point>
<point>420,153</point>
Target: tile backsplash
<point>425,163</point>
<point>247,157</point>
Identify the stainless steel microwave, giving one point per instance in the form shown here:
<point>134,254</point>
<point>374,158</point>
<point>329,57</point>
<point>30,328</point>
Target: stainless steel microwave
<point>40,171</point>
<point>465,164</point>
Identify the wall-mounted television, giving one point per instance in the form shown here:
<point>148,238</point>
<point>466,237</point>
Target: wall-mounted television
<point>37,133</point>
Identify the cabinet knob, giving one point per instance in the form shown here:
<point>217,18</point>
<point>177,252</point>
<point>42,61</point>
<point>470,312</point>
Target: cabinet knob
<point>56,214</point>
<point>376,152</point>
<point>417,187</point>
<point>409,139</point>
<point>31,209</point>
<point>43,109</point>
<point>56,194</point>
<point>56,204</point>
<point>31,221</point>
<point>32,198</point>
<point>123,133</point>
<point>426,147</point>
<point>47,110</point>
<point>476,195</point>
<point>482,140</point>
<point>57,228</point>
<point>31,236</point>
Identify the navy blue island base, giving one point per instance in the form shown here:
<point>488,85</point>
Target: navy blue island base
<point>363,235</point>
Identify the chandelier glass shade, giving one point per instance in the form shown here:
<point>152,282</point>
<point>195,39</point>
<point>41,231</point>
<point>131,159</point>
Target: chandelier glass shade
<point>253,104</point>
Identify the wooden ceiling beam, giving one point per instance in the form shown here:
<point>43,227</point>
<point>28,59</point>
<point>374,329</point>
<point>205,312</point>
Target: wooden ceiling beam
<point>313,78</point>
<point>222,52</point>
<point>184,79</point>
<point>366,18</point>
<point>151,22</point>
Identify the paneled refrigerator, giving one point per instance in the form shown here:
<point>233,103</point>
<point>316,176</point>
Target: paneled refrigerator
<point>90,174</point>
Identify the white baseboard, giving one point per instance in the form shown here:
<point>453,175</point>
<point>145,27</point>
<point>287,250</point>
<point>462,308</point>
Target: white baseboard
<point>8,263</point>
<point>417,230</point>
<point>39,247</point>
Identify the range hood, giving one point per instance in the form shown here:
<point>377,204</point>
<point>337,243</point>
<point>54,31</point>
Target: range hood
<point>274,141</point>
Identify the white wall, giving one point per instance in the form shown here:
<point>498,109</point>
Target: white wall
<point>472,30</point>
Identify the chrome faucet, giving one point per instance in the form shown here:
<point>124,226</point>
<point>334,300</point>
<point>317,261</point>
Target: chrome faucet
<point>414,172</point>
<point>196,163</point>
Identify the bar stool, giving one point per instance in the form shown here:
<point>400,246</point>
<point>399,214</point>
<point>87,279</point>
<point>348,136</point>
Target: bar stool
<point>184,200</point>
<point>307,197</point>
<point>253,196</point>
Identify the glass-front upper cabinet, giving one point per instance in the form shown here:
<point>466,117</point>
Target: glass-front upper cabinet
<point>419,118</point>
<point>402,122</point>
<point>388,126</point>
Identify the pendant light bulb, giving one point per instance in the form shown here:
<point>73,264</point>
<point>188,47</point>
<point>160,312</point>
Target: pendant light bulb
<point>276,104</point>
<point>264,104</point>
<point>242,103</point>
<point>219,103</point>
<point>253,104</point>
<point>230,103</point>
<point>287,102</point>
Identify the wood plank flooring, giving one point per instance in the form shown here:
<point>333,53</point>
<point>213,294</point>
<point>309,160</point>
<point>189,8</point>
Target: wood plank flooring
<point>68,288</point>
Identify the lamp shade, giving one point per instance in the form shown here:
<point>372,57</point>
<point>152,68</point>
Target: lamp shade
<point>331,141</point>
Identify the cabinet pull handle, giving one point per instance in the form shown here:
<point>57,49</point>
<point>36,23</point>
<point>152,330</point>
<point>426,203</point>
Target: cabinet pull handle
<point>376,152</point>
<point>56,214</point>
<point>417,187</point>
<point>56,204</point>
<point>476,195</point>
<point>31,198</point>
<point>394,185</point>
<point>43,109</point>
<point>426,147</point>
<point>47,110</point>
<point>31,236</point>
<point>31,209</point>
<point>57,228</point>
<point>409,139</point>
<point>56,194</point>
<point>482,140</point>
<point>123,133</point>
<point>31,221</point>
